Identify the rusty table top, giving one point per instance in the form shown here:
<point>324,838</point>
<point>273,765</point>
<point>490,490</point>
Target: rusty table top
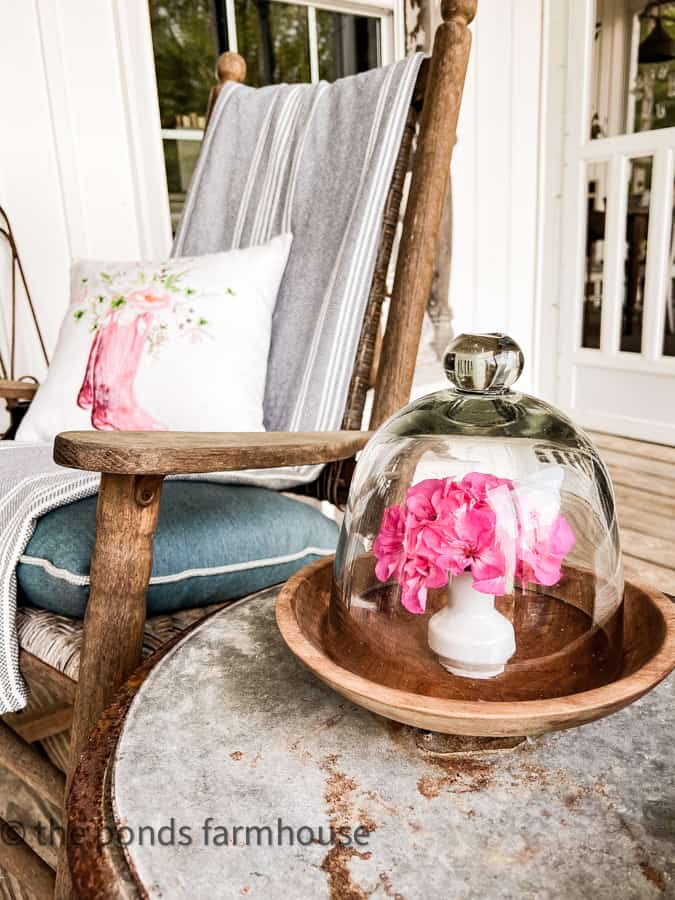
<point>230,732</point>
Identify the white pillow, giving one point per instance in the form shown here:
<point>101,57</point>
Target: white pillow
<point>179,345</point>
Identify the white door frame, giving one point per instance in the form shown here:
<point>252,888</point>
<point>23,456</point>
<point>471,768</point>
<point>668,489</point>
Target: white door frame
<point>569,375</point>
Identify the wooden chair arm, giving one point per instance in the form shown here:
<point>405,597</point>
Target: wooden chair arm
<point>182,453</point>
<point>17,390</point>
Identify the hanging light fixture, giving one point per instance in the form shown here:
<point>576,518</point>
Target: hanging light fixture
<point>658,46</point>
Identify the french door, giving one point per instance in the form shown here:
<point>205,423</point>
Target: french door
<point>616,362</point>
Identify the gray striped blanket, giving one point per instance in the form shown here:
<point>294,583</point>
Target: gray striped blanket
<point>313,159</point>
<point>316,160</point>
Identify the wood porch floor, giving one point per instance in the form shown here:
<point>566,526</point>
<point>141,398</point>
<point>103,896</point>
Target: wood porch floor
<point>644,484</point>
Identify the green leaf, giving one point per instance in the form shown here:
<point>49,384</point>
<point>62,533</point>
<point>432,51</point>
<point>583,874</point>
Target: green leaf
<point>201,321</point>
<point>230,292</point>
<point>117,302</point>
<point>105,276</point>
<point>78,314</point>
<point>170,281</point>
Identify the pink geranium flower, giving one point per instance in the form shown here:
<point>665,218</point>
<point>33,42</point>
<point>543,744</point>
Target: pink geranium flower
<point>388,546</point>
<point>489,526</point>
<point>420,573</point>
<point>477,485</point>
<point>472,545</point>
<point>434,499</point>
<point>542,552</point>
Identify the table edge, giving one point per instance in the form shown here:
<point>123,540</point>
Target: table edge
<point>107,871</point>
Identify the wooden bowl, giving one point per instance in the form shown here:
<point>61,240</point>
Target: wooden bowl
<point>648,656</point>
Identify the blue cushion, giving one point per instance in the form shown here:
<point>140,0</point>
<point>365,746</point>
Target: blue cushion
<point>213,542</point>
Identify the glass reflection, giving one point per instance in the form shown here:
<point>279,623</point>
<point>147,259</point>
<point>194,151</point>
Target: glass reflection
<point>180,159</point>
<point>633,80</point>
<point>346,44</point>
<point>185,50</point>
<point>596,197</point>
<point>273,38</point>
<point>637,228</point>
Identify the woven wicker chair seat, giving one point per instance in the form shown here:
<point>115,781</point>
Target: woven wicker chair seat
<point>57,640</point>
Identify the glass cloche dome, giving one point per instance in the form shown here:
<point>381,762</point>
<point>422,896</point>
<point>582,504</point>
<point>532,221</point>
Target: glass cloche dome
<point>479,556</point>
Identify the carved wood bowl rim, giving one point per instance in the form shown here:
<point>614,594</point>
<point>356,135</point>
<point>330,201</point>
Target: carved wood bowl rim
<point>485,718</point>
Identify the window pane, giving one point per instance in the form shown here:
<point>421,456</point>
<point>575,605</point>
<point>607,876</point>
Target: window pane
<point>180,158</point>
<point>185,43</point>
<point>633,84</point>
<point>185,48</point>
<point>637,227</point>
<point>596,205</point>
<point>347,44</point>
<point>273,38</point>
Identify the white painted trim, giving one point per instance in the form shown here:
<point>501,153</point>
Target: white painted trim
<point>525,174</point>
<point>658,263</point>
<point>398,27</point>
<point>387,42</point>
<point>352,7</point>
<point>625,362</point>
<point>182,134</point>
<point>549,202</point>
<point>78,580</point>
<point>231,21</point>
<point>579,36</point>
<point>642,143</point>
<point>313,45</point>
<point>614,256</point>
<point>627,426</point>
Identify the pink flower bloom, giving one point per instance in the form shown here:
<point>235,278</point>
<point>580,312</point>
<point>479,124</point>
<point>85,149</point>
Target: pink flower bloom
<point>477,485</point>
<point>543,550</point>
<point>420,573</point>
<point>149,299</point>
<point>472,544</point>
<point>489,572</point>
<point>491,526</point>
<point>388,546</point>
<point>434,499</point>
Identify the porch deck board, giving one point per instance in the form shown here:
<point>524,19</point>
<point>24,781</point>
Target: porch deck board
<point>644,484</point>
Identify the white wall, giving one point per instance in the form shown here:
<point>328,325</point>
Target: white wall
<point>495,178</point>
<point>82,173</point>
<point>81,167</point>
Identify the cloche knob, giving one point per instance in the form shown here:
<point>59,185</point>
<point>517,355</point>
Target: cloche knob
<point>483,363</point>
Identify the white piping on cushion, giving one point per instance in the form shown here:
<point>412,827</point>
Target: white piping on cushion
<point>84,580</point>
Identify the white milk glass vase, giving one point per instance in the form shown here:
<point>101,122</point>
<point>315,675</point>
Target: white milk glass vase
<point>469,636</point>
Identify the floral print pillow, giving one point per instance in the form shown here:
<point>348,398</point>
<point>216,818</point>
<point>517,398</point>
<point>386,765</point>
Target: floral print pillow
<point>175,345</point>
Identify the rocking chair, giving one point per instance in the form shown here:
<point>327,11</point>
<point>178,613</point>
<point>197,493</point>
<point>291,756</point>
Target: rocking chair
<point>133,465</point>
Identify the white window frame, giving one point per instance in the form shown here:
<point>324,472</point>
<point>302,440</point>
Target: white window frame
<point>566,118</point>
<point>390,14</point>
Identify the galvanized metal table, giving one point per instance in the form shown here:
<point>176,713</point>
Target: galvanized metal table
<point>223,769</point>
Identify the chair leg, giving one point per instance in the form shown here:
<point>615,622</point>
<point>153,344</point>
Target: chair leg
<point>126,518</point>
<point>35,770</point>
<point>17,858</point>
